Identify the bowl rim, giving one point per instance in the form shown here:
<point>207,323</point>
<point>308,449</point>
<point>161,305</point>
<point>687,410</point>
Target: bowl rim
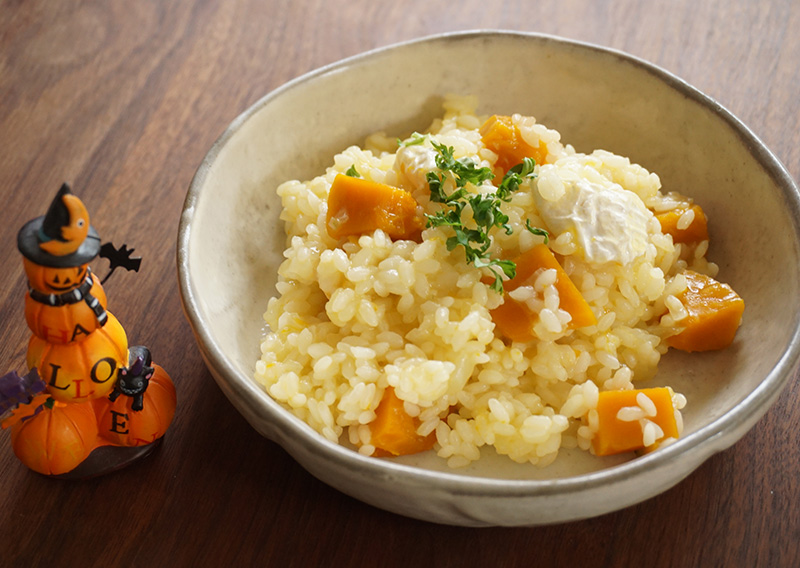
<point>706,441</point>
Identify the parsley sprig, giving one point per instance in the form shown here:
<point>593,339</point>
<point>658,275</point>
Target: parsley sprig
<point>458,174</point>
<point>414,140</point>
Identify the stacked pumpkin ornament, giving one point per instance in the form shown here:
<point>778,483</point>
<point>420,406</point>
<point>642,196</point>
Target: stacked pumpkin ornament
<point>89,403</point>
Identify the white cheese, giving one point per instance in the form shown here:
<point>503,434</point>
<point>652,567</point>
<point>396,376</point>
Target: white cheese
<point>608,223</point>
<point>414,162</point>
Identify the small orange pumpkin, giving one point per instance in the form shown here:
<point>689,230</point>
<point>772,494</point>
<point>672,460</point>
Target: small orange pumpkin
<point>57,439</point>
<point>81,370</point>
<point>123,426</point>
<point>54,280</point>
<point>68,322</point>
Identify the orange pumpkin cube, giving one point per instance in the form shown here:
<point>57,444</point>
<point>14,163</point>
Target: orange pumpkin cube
<point>715,313</point>
<point>515,320</point>
<point>616,434</point>
<point>394,432</point>
<point>695,232</point>
<point>500,135</point>
<point>357,206</point>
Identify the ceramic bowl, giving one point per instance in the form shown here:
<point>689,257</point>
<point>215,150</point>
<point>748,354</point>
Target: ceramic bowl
<point>231,242</point>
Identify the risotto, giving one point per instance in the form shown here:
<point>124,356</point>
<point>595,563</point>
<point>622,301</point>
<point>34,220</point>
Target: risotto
<point>388,325</point>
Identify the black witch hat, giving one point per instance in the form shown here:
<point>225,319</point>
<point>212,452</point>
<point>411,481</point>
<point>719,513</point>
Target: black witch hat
<point>48,227</point>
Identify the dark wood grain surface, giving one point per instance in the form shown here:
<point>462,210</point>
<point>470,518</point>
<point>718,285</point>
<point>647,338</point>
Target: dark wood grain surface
<point>123,98</point>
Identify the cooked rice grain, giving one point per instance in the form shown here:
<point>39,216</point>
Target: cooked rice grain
<point>354,318</point>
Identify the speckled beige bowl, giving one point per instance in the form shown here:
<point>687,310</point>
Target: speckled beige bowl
<point>231,242</point>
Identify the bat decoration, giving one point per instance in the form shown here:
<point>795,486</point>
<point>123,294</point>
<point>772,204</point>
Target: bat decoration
<point>119,257</point>
<point>27,411</point>
<point>15,390</point>
<point>22,396</point>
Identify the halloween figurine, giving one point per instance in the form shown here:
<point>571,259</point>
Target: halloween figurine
<point>89,403</point>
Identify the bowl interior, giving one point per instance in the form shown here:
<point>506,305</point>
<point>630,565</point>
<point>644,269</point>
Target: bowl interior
<point>233,237</point>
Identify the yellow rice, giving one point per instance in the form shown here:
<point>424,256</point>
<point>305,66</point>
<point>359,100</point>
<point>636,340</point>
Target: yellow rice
<point>352,319</point>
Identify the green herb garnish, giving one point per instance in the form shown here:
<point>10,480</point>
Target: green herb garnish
<point>414,140</point>
<point>352,172</point>
<point>516,176</point>
<point>537,231</point>
<point>486,211</point>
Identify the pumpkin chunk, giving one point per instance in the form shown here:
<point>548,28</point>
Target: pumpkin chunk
<point>500,135</point>
<point>357,206</point>
<point>626,417</point>
<point>515,319</point>
<point>394,432</point>
<point>696,230</point>
<point>715,313</point>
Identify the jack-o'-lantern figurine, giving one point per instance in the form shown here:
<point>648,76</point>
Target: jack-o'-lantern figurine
<point>79,353</point>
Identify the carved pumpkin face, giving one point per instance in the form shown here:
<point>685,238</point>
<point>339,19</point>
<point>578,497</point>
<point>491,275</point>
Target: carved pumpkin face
<point>51,280</point>
<point>56,440</point>
<point>66,323</point>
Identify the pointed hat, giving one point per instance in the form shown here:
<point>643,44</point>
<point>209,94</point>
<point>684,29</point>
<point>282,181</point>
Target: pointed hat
<point>49,228</point>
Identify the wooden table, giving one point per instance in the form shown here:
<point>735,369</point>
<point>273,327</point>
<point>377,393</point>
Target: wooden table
<point>123,99</point>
